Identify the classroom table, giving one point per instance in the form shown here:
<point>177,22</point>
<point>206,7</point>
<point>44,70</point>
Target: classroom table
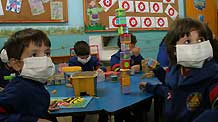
<point>109,97</point>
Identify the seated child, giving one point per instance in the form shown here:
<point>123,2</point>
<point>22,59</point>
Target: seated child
<point>84,59</point>
<point>136,58</point>
<point>192,75</point>
<point>25,97</point>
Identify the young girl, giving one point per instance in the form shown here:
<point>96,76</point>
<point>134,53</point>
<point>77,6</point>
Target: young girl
<point>25,97</point>
<point>193,72</point>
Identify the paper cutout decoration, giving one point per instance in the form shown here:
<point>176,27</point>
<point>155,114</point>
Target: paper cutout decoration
<point>170,11</point>
<point>128,6</point>
<point>141,6</point>
<point>168,1</point>
<point>56,10</point>
<point>1,10</point>
<point>148,22</point>
<point>156,7</point>
<point>36,7</point>
<point>200,4</point>
<point>112,22</point>
<point>107,4</point>
<point>133,22</point>
<point>161,22</point>
<point>13,5</point>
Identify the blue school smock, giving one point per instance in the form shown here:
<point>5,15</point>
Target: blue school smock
<point>92,65</point>
<point>23,100</point>
<point>115,60</point>
<point>162,56</point>
<point>186,97</point>
<point>3,72</point>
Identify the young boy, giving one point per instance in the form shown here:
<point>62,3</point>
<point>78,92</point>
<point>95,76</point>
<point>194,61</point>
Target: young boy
<point>25,97</point>
<point>190,86</point>
<point>136,58</point>
<point>84,59</point>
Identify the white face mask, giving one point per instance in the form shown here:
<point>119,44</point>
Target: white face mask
<point>38,68</point>
<point>84,61</point>
<point>194,55</point>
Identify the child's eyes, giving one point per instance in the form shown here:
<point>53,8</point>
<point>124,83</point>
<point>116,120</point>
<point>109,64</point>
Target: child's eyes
<point>187,42</point>
<point>34,55</point>
<point>198,41</point>
<point>48,54</point>
<point>201,40</point>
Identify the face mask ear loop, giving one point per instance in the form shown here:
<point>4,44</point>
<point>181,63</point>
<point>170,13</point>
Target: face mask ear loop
<point>215,104</point>
<point>4,56</point>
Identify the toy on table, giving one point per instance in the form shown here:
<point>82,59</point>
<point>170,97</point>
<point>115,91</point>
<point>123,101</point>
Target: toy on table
<point>125,54</point>
<point>56,79</point>
<point>108,75</point>
<point>84,83</point>
<point>147,67</point>
<point>60,67</point>
<point>68,72</point>
<point>100,75</point>
<point>54,91</point>
<point>70,102</point>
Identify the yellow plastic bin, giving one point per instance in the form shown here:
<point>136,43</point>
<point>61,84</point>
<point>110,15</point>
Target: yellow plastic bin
<point>69,71</point>
<point>85,83</point>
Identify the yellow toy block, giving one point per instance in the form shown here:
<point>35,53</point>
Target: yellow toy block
<point>125,77</point>
<point>84,83</point>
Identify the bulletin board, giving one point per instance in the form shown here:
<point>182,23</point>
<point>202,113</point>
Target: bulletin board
<point>203,11</point>
<point>99,15</point>
<point>25,15</point>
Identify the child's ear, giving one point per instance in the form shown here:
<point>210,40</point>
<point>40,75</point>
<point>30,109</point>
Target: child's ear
<point>15,64</point>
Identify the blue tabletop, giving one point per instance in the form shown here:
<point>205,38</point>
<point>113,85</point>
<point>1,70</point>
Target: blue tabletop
<point>109,96</point>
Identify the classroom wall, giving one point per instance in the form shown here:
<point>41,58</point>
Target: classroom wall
<point>148,41</point>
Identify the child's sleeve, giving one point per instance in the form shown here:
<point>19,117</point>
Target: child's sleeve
<point>115,63</point>
<point>160,73</point>
<point>98,65</point>
<point>157,89</point>
<point>73,61</point>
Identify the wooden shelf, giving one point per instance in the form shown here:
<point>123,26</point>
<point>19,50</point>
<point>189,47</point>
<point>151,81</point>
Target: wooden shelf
<point>60,59</point>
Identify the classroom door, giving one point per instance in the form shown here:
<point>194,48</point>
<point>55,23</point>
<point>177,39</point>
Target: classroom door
<point>203,10</point>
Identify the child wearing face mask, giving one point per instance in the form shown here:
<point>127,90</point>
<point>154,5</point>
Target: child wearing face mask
<point>88,63</point>
<point>136,57</point>
<point>190,85</point>
<point>25,98</point>
<point>84,59</point>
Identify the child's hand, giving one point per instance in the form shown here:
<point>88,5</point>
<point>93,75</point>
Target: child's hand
<point>142,85</point>
<point>136,68</point>
<point>53,106</point>
<point>136,51</point>
<point>99,70</point>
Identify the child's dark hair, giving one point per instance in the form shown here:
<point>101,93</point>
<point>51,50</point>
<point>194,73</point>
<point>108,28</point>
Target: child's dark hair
<point>81,48</point>
<point>133,40</point>
<point>21,39</point>
<point>179,29</point>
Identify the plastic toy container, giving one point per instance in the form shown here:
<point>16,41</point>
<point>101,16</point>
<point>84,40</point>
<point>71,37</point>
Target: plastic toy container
<point>84,83</point>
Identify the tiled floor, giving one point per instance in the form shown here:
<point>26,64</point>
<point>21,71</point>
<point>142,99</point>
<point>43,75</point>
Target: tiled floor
<point>94,117</point>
